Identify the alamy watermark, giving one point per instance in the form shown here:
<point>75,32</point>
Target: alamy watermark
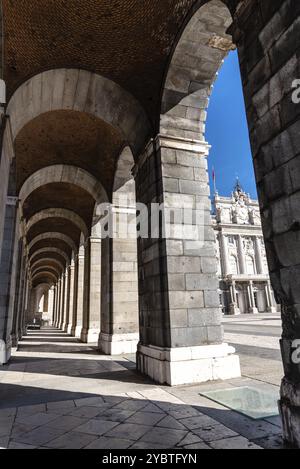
<point>123,220</point>
<point>296,352</point>
<point>296,92</point>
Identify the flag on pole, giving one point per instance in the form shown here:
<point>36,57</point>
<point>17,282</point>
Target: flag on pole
<point>214,179</point>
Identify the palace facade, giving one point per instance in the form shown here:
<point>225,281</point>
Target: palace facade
<point>245,286</point>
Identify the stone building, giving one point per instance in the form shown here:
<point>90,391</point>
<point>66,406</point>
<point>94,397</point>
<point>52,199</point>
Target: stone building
<point>104,98</point>
<point>242,262</point>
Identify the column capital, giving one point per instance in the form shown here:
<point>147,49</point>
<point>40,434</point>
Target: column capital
<point>171,142</point>
<point>94,239</point>
<point>179,143</point>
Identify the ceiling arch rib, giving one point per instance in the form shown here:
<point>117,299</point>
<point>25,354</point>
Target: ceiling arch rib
<point>41,276</point>
<point>48,260</point>
<point>49,250</point>
<point>53,235</point>
<point>46,269</point>
<point>58,213</point>
<point>80,90</point>
<point>197,57</point>
<point>64,174</point>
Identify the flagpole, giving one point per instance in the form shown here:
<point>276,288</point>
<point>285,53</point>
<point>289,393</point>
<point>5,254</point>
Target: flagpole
<point>214,180</point>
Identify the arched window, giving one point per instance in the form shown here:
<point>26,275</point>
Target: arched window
<point>234,269</point>
<point>250,265</point>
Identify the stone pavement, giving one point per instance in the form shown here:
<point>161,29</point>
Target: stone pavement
<point>59,393</point>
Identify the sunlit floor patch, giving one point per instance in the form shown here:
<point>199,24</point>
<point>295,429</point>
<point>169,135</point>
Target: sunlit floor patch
<point>252,402</point>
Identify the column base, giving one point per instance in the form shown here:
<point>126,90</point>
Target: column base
<point>90,336</point>
<point>289,408</point>
<point>118,344</point>
<point>234,310</point>
<point>70,329</point>
<point>5,352</point>
<point>77,332</point>
<point>253,311</point>
<point>272,309</point>
<point>188,365</point>
<point>14,341</point>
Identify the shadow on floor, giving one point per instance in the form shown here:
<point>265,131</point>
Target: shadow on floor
<point>262,433</point>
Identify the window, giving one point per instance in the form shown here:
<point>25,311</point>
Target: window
<point>234,265</point>
<point>250,265</point>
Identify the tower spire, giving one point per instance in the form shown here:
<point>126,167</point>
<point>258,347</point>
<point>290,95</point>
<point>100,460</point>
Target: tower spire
<point>238,188</point>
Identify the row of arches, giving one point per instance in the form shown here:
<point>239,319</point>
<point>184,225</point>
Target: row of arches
<point>75,125</point>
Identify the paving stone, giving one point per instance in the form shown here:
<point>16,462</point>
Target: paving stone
<point>86,412</point>
<point>128,431</point>
<point>4,442</point>
<point>67,422</point>
<point>6,424</point>
<point>270,442</point>
<point>109,443</point>
<point>170,422</point>
<point>116,415</point>
<point>198,422</point>
<point>152,408</point>
<point>183,412</point>
<point>90,402</point>
<point>40,436</point>
<point>31,409</point>
<point>5,413</point>
<point>133,405</point>
<point>190,439</point>
<point>96,427</point>
<point>41,418</point>
<point>145,418</point>
<point>71,440</point>
<point>19,429</point>
<point>60,406</point>
<point>15,445</point>
<point>200,445</point>
<point>234,443</point>
<point>170,438</point>
<point>214,432</point>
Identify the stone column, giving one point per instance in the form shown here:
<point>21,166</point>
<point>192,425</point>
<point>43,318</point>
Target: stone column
<point>51,304</point>
<point>46,302</point>
<point>253,309</point>
<point>66,296</point>
<point>181,336</point>
<point>266,57</point>
<point>224,254</point>
<point>8,279</point>
<point>234,309</point>
<point>25,303</point>
<point>75,297</point>
<point>80,292</point>
<point>91,327</point>
<point>71,296</point>
<point>258,256</point>
<point>22,297</point>
<point>63,300</point>
<point>119,318</point>
<point>18,295</point>
<point>270,302</point>
<point>241,255</point>
<point>55,305</point>
<point>58,305</point>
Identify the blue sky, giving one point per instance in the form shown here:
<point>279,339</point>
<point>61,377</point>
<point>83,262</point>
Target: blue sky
<point>227,131</point>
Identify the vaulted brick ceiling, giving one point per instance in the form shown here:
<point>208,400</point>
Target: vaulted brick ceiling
<point>127,41</point>
<point>41,35</point>
<point>68,137</point>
